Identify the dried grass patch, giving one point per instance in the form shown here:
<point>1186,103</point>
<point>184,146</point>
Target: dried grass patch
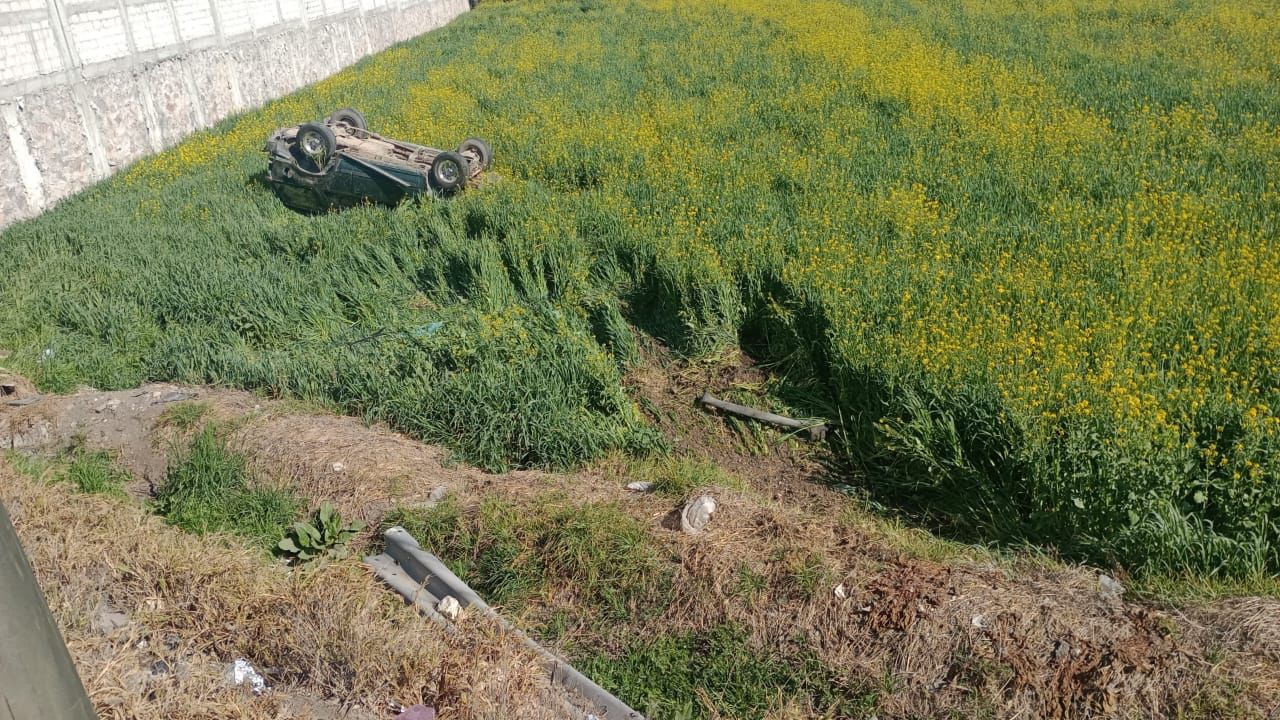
<point>196,603</point>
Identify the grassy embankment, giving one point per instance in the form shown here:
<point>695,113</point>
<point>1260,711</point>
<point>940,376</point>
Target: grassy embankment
<point>1026,260</point>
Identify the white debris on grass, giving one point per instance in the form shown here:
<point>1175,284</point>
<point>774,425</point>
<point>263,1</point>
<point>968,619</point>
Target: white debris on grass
<point>1109,587</point>
<point>241,672</point>
<point>697,513</point>
<point>449,607</point>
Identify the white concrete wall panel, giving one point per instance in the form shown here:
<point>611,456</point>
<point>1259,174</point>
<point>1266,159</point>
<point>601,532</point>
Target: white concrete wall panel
<point>152,25</point>
<point>89,86</point>
<point>99,35</point>
<point>195,19</point>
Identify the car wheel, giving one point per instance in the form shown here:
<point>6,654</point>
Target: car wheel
<point>317,144</point>
<point>480,148</point>
<point>448,171</point>
<point>347,116</point>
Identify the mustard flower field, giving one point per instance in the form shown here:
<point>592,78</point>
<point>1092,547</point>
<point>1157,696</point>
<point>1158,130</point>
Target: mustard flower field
<point>1024,255</point>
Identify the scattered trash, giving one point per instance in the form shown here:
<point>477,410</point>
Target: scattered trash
<point>172,397</point>
<point>241,672</point>
<point>339,466</point>
<point>816,432</point>
<point>47,353</point>
<point>449,607</point>
<point>697,513</point>
<point>1109,587</point>
<point>428,330</point>
<point>841,592</point>
<point>978,621</point>
<point>417,712</point>
<point>640,486</point>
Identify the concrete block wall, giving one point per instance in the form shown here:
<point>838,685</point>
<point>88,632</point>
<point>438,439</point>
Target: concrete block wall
<point>88,86</point>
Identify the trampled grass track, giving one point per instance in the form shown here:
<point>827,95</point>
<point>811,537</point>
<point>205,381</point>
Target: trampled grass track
<point>1027,254</point>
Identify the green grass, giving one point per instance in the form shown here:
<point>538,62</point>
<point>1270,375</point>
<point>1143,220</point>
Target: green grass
<point>511,554</point>
<point>668,677</point>
<point>675,476</point>
<point>208,488</point>
<point>184,416</point>
<point>96,471</point>
<point>1021,254</point>
<point>91,471</point>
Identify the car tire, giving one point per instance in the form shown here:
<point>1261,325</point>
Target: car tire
<point>448,171</point>
<point>317,144</point>
<point>480,148</point>
<point>347,116</point>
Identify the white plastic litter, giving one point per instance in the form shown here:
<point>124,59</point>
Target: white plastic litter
<point>339,466</point>
<point>697,513</point>
<point>1109,587</point>
<point>841,592</point>
<point>449,607</point>
<point>640,486</point>
<point>242,672</point>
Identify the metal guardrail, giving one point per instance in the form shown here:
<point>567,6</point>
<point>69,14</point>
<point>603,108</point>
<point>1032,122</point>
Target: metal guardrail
<point>424,580</point>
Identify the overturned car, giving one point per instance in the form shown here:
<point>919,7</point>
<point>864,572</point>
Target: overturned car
<point>338,162</point>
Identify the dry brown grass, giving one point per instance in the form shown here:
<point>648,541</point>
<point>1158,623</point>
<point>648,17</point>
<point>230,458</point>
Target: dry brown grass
<point>956,638</point>
<point>194,604</point>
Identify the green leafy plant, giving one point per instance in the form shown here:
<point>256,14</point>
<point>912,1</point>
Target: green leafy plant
<point>326,535</point>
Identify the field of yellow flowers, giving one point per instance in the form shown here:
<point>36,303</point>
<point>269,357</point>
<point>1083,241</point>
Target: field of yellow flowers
<point>1028,252</point>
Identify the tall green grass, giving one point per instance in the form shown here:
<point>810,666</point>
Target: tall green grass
<point>1021,255</point>
<point>208,488</point>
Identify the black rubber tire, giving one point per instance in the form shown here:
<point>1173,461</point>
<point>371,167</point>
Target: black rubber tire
<point>317,144</point>
<point>481,148</point>
<point>348,116</point>
<point>448,171</point>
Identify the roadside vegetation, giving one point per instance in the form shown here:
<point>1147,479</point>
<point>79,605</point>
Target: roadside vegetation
<point>90,471</point>
<point>1024,261</point>
<point>209,488</point>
